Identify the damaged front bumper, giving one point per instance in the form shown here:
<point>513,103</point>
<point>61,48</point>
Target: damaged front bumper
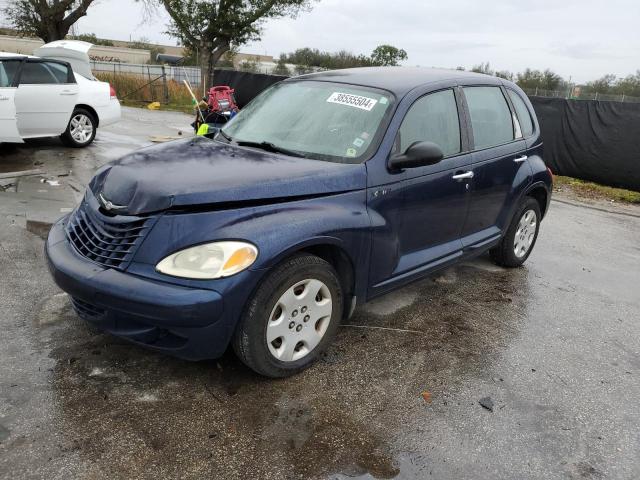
<point>181,321</point>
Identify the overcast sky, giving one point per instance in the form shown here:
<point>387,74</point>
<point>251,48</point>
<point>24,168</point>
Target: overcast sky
<point>581,39</point>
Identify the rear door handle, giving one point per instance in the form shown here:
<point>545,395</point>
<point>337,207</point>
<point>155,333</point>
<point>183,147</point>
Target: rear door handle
<point>463,176</point>
<point>68,92</point>
<point>520,159</point>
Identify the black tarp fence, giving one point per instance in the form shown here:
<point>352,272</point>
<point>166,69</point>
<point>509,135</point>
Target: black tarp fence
<point>247,85</point>
<point>590,140</point>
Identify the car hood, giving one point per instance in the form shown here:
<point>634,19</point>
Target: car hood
<point>199,171</point>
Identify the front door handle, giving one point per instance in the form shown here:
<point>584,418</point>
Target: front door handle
<point>3,98</point>
<point>522,158</point>
<point>68,92</point>
<point>463,176</point>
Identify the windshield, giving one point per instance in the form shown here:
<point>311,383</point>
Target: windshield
<point>320,120</point>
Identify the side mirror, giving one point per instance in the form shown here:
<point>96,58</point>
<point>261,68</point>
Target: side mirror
<point>419,154</point>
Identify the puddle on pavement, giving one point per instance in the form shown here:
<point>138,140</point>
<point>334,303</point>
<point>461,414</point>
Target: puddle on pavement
<point>127,410</point>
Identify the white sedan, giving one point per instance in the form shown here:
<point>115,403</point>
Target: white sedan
<point>54,94</point>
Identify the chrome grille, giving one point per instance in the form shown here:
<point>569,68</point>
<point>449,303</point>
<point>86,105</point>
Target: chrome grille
<point>109,241</point>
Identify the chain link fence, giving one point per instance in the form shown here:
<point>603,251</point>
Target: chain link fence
<point>177,74</point>
<point>576,94</point>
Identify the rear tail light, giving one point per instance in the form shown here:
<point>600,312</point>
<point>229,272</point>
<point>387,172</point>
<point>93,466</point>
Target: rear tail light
<point>112,92</point>
<point>550,173</point>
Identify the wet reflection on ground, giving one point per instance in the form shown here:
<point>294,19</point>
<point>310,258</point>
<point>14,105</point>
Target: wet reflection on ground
<point>129,408</point>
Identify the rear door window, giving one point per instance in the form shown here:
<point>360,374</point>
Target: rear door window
<point>8,70</point>
<point>490,116</point>
<point>524,116</point>
<point>432,118</point>
<point>38,73</point>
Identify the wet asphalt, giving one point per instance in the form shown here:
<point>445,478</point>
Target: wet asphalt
<point>555,346</point>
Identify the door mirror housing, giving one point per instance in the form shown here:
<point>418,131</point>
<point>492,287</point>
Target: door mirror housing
<point>419,154</point>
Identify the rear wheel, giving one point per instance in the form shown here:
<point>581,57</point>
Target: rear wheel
<point>518,242</point>
<point>81,129</point>
<point>292,317</point>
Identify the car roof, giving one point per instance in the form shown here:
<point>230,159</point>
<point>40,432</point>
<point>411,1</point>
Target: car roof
<point>398,80</point>
<point>13,55</point>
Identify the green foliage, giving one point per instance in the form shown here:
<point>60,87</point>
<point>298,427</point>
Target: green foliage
<point>249,66</point>
<point>91,38</point>
<point>308,59</point>
<point>484,68</point>
<point>611,85</point>
<point>506,74</point>
<point>547,80</point>
<point>388,56</point>
<point>49,20</point>
<point>212,27</point>
<point>281,67</point>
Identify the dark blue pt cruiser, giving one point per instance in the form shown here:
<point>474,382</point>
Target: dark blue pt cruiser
<point>326,191</point>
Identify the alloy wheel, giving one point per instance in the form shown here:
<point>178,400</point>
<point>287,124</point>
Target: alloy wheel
<point>81,128</point>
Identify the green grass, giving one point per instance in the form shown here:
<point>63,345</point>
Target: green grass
<point>597,191</point>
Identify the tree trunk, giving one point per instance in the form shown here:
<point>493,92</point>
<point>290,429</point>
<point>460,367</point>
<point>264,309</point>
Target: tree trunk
<point>214,59</point>
<point>205,62</point>
<point>52,20</point>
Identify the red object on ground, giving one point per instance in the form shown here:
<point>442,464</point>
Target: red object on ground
<point>222,99</point>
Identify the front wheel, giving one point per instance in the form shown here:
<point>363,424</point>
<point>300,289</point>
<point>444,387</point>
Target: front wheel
<point>291,318</point>
<point>518,242</point>
<point>81,129</point>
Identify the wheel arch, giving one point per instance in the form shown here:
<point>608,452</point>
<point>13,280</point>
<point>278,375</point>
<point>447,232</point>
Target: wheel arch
<point>333,252</point>
<point>90,109</point>
<point>540,193</point>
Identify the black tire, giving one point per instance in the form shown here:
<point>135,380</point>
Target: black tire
<point>504,253</point>
<point>250,339</point>
<point>68,139</point>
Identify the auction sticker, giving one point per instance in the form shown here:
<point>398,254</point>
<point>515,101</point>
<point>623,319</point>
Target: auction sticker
<point>364,103</point>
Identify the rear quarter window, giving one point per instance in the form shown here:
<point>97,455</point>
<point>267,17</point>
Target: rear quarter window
<point>524,116</point>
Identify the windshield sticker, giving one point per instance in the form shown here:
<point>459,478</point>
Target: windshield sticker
<point>384,100</point>
<point>363,103</point>
<point>364,135</point>
<point>358,142</point>
<point>351,152</point>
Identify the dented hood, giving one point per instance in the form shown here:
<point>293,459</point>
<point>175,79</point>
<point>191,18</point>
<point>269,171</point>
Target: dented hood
<point>200,171</point>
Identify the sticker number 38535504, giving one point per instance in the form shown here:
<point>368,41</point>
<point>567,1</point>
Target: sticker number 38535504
<point>356,101</point>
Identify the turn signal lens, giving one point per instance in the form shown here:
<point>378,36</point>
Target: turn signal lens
<point>239,260</point>
<point>209,261</point>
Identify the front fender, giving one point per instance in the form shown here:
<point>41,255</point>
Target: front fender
<point>278,230</point>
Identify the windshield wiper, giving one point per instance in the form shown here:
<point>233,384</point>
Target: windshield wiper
<point>270,147</point>
<point>225,135</point>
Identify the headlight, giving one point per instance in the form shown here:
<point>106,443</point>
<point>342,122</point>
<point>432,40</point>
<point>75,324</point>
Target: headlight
<point>209,261</point>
